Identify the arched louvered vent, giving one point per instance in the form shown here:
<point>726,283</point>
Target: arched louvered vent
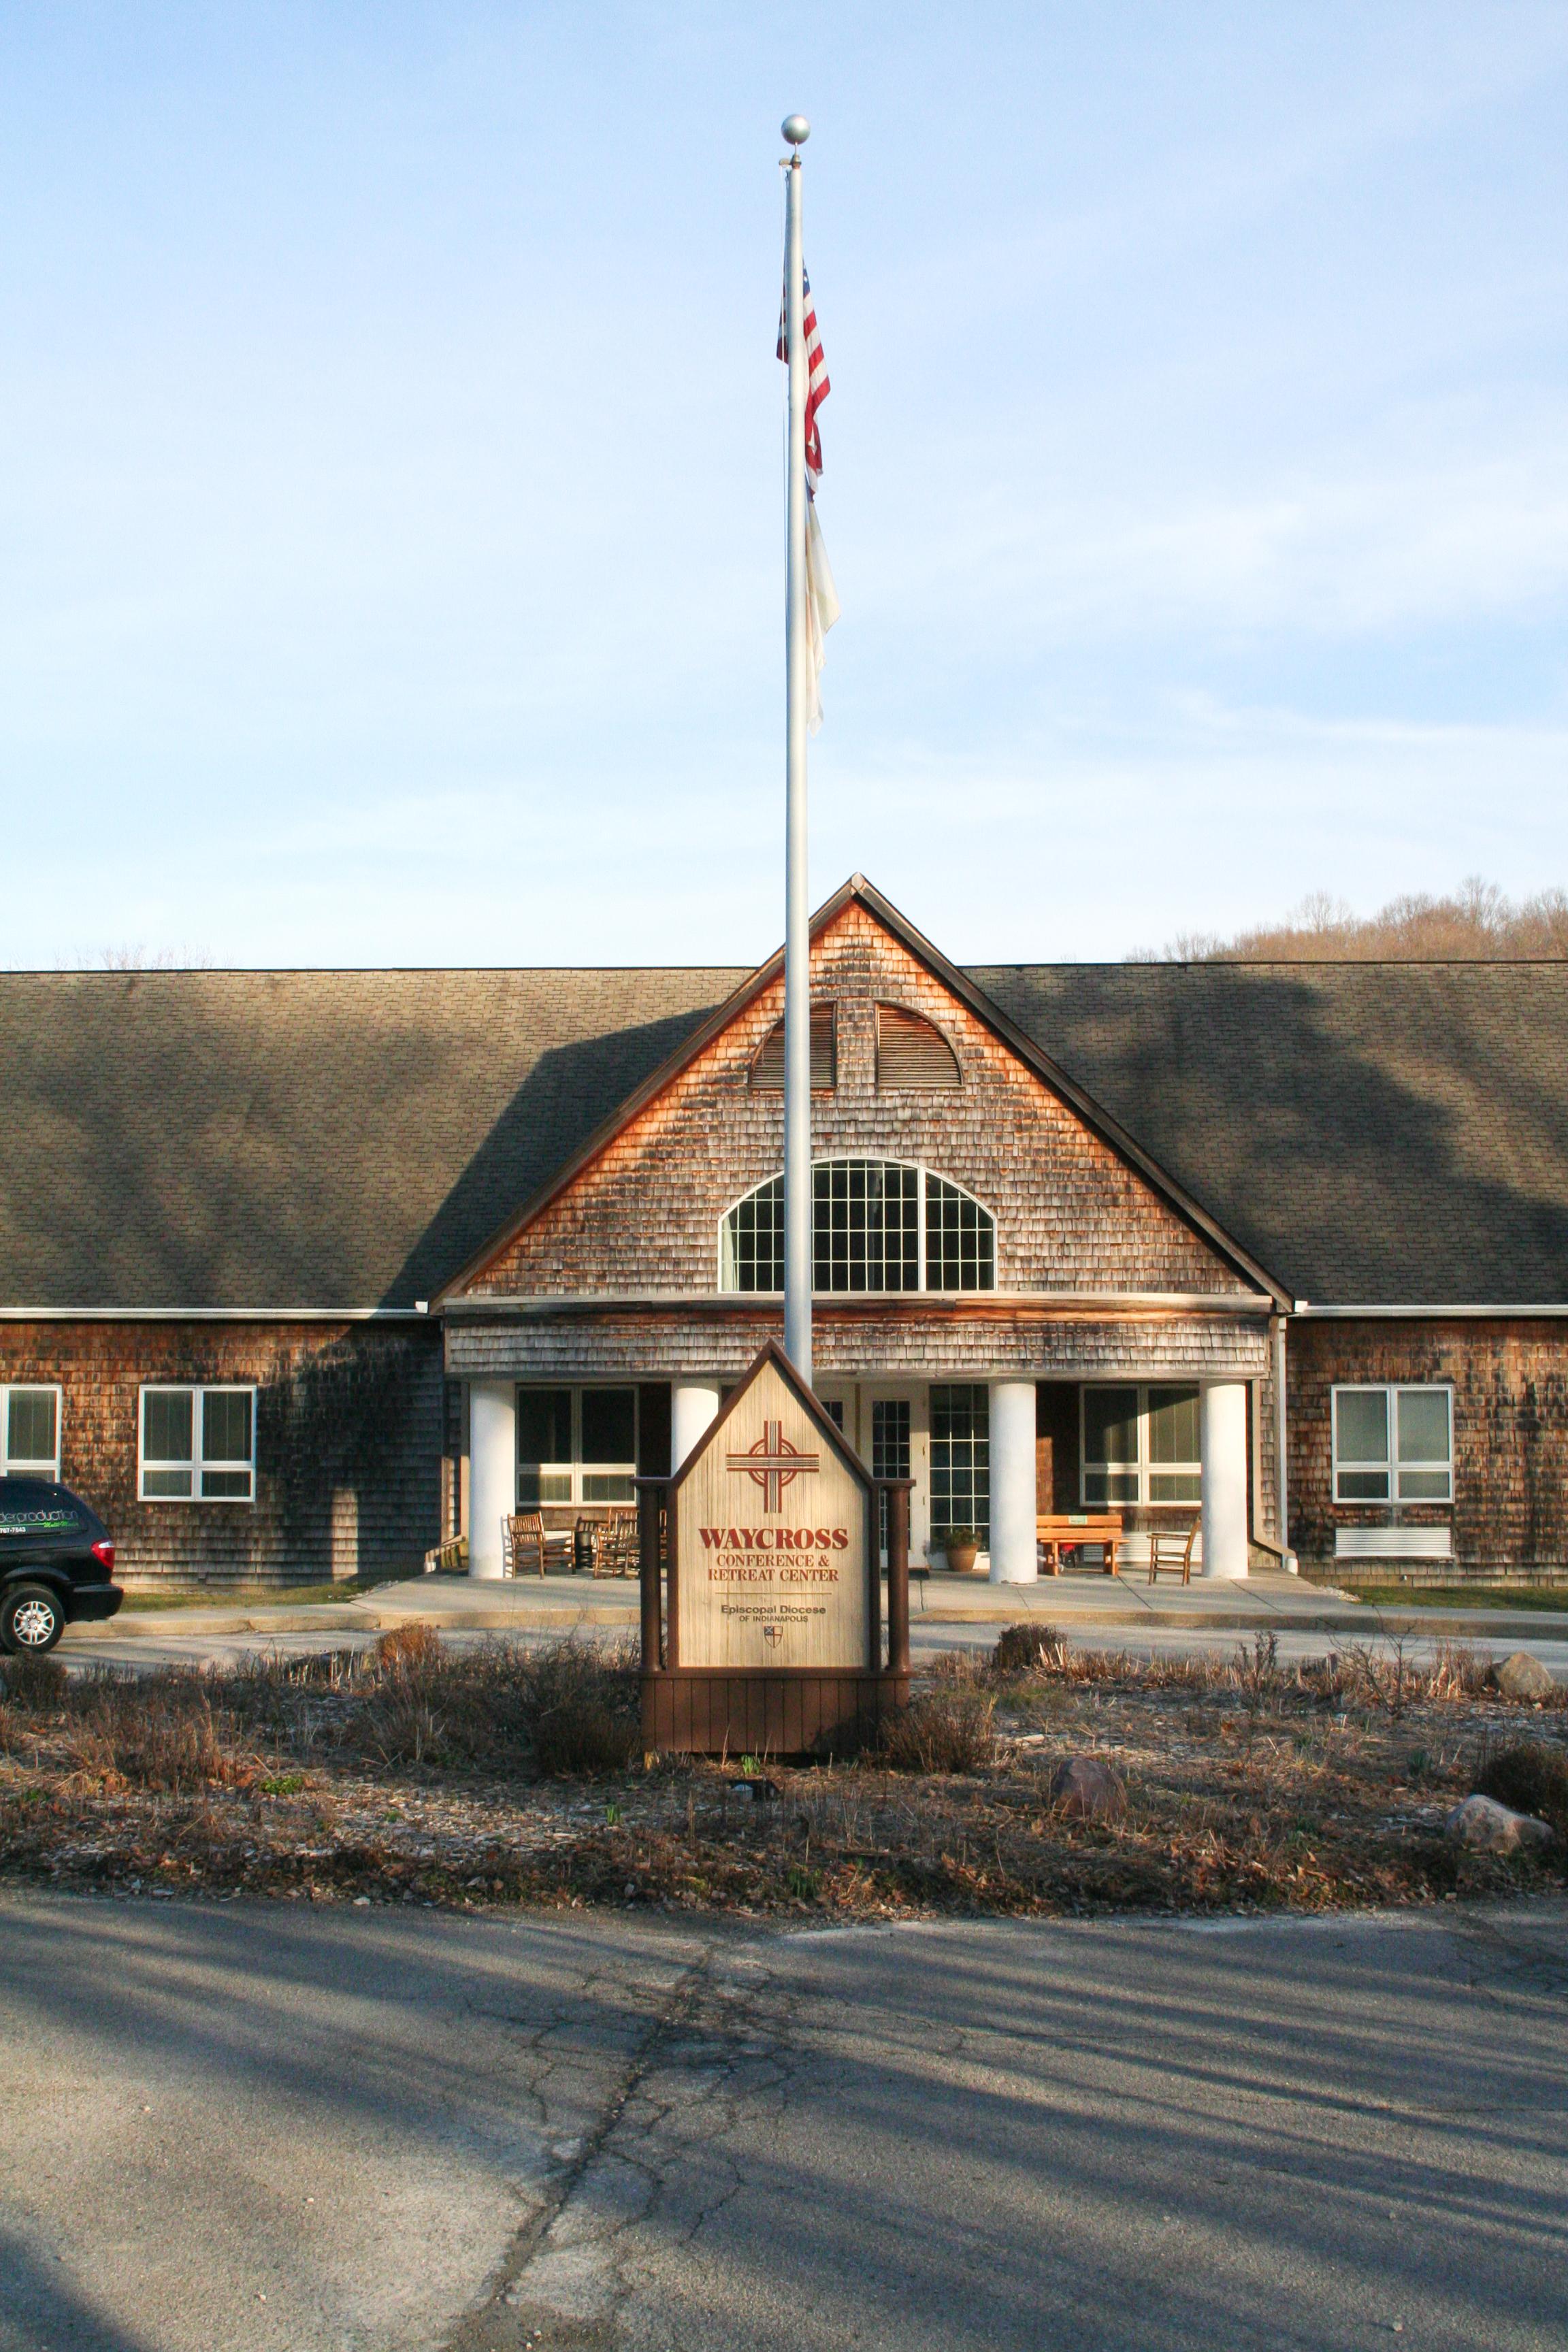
<point>768,1070</point>
<point>912,1052</point>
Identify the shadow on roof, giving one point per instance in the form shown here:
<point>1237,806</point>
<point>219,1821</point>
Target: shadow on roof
<point>568,1092</point>
<point>1386,1134</point>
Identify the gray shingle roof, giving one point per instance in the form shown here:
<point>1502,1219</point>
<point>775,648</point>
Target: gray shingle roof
<point>303,1139</point>
<point>1385,1133</point>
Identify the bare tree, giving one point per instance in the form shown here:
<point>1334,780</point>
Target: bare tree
<point>141,959</point>
<point>1477,924</point>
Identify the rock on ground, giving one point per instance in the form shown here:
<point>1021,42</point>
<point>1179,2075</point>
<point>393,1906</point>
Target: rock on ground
<point>1486,1827</point>
<point>1088,1789</point>
<point>1523,1676</point>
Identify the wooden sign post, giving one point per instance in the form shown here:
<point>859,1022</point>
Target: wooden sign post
<point>761,1593</point>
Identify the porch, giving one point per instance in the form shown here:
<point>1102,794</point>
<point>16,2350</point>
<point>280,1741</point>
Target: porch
<point>989,1453</point>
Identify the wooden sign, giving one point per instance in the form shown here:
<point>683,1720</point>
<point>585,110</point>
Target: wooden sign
<point>773,1518</point>
<point>761,1593</point>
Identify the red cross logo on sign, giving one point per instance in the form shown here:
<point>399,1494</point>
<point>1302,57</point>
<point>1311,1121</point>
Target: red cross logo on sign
<point>773,1463</point>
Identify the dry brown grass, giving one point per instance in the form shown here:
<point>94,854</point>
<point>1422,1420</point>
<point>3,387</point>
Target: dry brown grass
<point>423,1774</point>
<point>33,1682</point>
<point>1532,1777</point>
<point>407,1649</point>
<point>950,1730</point>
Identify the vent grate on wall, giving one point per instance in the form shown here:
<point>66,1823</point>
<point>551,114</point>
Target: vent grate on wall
<point>912,1052</point>
<point>768,1069</point>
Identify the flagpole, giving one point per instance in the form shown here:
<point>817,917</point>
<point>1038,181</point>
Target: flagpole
<point>797,909</point>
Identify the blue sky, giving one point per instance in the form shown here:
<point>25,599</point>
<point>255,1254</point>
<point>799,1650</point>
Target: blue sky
<point>391,508</point>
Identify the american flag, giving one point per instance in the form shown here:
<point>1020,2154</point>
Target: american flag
<point>817,386</point>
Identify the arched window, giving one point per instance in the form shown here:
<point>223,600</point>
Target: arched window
<point>912,1052</point>
<point>876,1225</point>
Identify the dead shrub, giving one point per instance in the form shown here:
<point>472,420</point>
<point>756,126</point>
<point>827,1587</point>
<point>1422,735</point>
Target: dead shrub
<point>157,1733</point>
<point>587,1710</point>
<point>401,1726</point>
<point>408,1648</point>
<point>585,1736</point>
<point>1255,1671</point>
<point>1389,1680</point>
<point>38,1684</point>
<point>1176,1670</point>
<point>1029,1649</point>
<point>571,1706</point>
<point>1195,1671</point>
<point>941,1731</point>
<point>1531,1778</point>
<point>1459,1671</point>
<point>966,1668</point>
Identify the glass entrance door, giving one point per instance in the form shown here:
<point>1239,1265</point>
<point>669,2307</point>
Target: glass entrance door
<point>889,1451</point>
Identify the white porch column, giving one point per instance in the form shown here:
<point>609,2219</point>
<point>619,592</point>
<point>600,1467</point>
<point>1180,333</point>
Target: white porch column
<point>692,1405</point>
<point>1223,1441</point>
<point>492,1473</point>
<point>1013,1559</point>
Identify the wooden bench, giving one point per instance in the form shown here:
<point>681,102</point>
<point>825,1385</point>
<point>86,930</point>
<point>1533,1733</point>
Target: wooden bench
<point>1059,1531</point>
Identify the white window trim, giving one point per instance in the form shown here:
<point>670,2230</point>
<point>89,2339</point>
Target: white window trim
<point>197,1391</point>
<point>577,1469</point>
<point>1393,1500</point>
<point>29,1469</point>
<point>884,1160</point>
<point>1143,1469</point>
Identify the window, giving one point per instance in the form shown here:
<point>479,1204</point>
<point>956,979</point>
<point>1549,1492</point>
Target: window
<point>576,1445</point>
<point>1394,1444</point>
<point>29,1433</point>
<point>865,1225</point>
<point>768,1068</point>
<point>960,1240</point>
<point>876,1225</point>
<point>1141,1445</point>
<point>198,1444</point>
<point>890,1449</point>
<point>960,1461</point>
<point>912,1052</point>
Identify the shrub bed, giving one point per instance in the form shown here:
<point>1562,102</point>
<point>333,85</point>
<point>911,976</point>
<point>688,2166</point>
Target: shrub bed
<point>413,1773</point>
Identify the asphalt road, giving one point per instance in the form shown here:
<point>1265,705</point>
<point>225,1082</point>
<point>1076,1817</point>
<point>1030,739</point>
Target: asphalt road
<point>237,2127</point>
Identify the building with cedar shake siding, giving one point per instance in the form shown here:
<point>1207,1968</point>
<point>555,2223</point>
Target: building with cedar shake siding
<point>301,1273</point>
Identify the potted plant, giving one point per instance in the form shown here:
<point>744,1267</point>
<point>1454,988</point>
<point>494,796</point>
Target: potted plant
<point>962,1546</point>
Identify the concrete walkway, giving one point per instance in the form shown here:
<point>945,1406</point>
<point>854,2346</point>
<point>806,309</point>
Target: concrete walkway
<point>1081,1606</point>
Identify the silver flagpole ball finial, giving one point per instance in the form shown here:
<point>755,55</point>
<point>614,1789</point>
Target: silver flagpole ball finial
<point>796,129</point>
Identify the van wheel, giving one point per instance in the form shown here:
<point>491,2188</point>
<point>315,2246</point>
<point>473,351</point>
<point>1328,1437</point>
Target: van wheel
<point>31,1619</point>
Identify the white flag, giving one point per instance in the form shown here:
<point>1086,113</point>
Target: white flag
<point>821,608</point>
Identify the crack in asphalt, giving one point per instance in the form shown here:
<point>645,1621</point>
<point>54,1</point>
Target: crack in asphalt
<point>1514,1948</point>
<point>503,2322</point>
<point>656,2155</point>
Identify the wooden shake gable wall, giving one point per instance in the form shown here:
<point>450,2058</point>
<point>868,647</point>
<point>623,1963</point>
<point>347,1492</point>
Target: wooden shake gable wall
<point>641,1223</point>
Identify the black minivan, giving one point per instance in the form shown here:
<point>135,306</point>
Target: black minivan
<point>57,1563</point>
